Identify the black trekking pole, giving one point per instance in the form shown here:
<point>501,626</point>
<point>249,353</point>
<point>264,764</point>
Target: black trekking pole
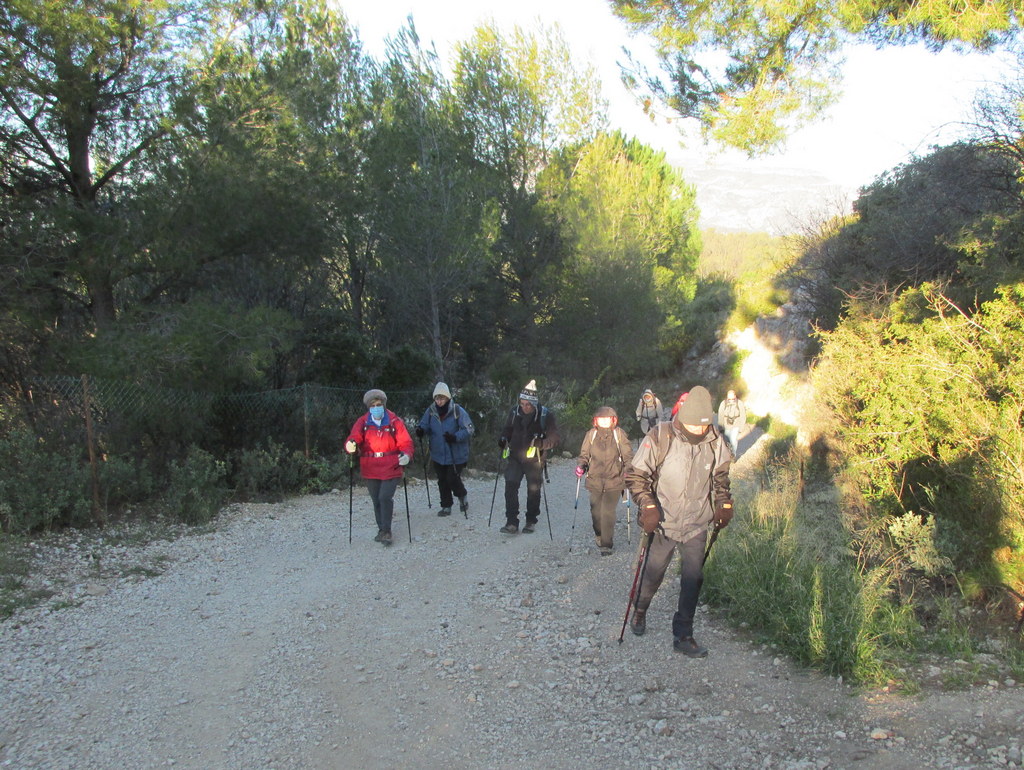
<point>426,478</point>
<point>638,579</point>
<point>408,521</point>
<point>714,537</point>
<point>543,488</point>
<point>575,506</point>
<point>629,538</point>
<point>351,468</point>
<point>497,476</point>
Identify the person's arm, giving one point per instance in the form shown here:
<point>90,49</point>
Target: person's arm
<point>466,428</point>
<point>402,437</point>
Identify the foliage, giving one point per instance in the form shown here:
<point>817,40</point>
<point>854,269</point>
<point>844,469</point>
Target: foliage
<point>779,60</point>
<point>41,486</point>
<point>270,473</point>
<point>195,489</point>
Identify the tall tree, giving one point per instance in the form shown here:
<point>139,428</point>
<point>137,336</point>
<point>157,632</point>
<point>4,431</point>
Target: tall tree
<point>780,59</point>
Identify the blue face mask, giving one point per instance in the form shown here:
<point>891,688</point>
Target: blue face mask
<point>377,412</point>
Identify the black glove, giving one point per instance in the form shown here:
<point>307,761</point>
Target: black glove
<point>539,436</point>
<point>419,431</point>
<point>650,518</point>
<point>723,514</point>
<point>502,442</point>
<point>450,437</point>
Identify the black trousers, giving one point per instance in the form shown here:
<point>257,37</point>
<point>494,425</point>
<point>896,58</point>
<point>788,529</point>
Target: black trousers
<point>533,470</point>
<point>449,482</point>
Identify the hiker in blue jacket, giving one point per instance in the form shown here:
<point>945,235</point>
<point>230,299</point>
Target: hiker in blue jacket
<point>448,428</point>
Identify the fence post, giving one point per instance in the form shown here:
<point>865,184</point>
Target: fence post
<point>305,416</point>
<point>90,442</point>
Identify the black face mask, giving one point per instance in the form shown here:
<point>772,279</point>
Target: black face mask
<point>693,438</point>
<point>442,410</point>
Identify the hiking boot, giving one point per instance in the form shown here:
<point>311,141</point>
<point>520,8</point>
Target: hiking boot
<point>606,550</point>
<point>463,505</point>
<point>639,622</point>
<point>689,647</point>
<point>510,529</point>
<point>445,512</point>
<point>385,538</point>
<point>376,538</point>
<point>530,527</point>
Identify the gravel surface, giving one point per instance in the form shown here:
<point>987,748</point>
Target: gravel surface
<point>270,642</point>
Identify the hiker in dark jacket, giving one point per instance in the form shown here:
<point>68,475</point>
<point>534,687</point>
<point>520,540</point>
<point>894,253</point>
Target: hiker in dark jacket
<point>679,478</point>
<point>529,433</point>
<point>448,428</point>
<point>604,456</point>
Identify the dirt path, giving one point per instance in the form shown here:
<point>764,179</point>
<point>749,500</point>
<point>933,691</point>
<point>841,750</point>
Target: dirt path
<point>273,643</point>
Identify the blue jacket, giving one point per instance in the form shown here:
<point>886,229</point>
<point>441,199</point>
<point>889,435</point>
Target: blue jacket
<point>455,421</point>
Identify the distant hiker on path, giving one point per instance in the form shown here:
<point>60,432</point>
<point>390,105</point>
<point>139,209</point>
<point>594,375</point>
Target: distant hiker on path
<point>648,412</point>
<point>448,430</point>
<point>529,433</point>
<point>732,419</point>
<point>604,456</point>
<point>385,448</point>
<point>680,481</point>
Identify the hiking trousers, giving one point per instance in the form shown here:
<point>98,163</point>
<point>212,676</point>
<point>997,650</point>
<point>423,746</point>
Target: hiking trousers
<point>382,493</point>
<point>449,482</point>
<point>602,515</point>
<point>691,577</point>
<point>514,473</point>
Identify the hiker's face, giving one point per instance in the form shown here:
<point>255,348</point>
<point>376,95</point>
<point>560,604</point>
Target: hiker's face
<point>440,400</point>
<point>696,430</point>
<point>526,406</point>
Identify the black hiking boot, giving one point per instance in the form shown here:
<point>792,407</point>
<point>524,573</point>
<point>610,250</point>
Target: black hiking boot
<point>376,538</point>
<point>385,538</point>
<point>530,527</point>
<point>639,622</point>
<point>689,647</point>
<point>445,512</point>
<point>510,529</point>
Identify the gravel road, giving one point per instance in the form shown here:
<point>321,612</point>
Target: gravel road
<point>270,642</point>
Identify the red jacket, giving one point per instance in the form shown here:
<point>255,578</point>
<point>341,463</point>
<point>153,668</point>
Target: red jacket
<point>379,446</point>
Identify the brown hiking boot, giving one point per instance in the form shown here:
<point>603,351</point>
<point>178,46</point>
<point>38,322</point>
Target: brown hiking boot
<point>639,622</point>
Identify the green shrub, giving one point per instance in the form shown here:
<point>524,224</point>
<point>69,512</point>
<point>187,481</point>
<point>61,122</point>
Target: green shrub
<point>196,487</point>
<point>40,487</point>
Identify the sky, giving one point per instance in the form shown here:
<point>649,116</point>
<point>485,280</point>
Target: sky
<point>895,103</point>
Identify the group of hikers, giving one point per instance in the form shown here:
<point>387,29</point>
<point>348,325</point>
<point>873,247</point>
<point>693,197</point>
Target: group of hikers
<point>678,477</point>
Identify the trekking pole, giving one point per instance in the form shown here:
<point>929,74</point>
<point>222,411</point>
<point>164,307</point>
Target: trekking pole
<point>544,492</point>
<point>408,521</point>
<point>638,579</point>
<point>351,468</point>
<point>497,475</point>
<point>714,537</point>
<point>628,501</point>
<point>426,478</point>
<point>575,506</point>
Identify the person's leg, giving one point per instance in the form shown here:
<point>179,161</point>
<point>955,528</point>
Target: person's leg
<point>607,503</point>
<point>534,472</point>
<point>444,486</point>
<point>456,483</point>
<point>513,478</point>
<point>691,577</point>
<point>373,487</point>
<point>661,552</point>
<point>387,502</point>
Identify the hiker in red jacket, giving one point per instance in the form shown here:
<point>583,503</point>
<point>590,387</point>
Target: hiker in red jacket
<point>384,448</point>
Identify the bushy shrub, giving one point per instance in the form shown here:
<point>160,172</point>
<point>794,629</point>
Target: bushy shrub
<point>270,473</point>
<point>40,487</point>
<point>196,487</point>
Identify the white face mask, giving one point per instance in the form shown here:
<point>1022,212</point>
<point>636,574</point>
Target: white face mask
<point>604,422</point>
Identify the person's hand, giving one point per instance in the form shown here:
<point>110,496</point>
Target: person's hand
<point>419,431</point>
<point>450,437</point>
<point>403,458</point>
<point>723,515</point>
<point>502,442</point>
<point>650,518</point>
<point>581,469</point>
<point>539,436</point>
<point>350,447</point>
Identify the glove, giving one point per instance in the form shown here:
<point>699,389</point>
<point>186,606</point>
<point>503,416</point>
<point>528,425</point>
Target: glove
<point>539,436</point>
<point>502,442</point>
<point>403,458</point>
<point>450,437</point>
<point>723,515</point>
<point>581,469</point>
<point>650,518</point>
<point>419,431</point>
<point>350,447</point>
